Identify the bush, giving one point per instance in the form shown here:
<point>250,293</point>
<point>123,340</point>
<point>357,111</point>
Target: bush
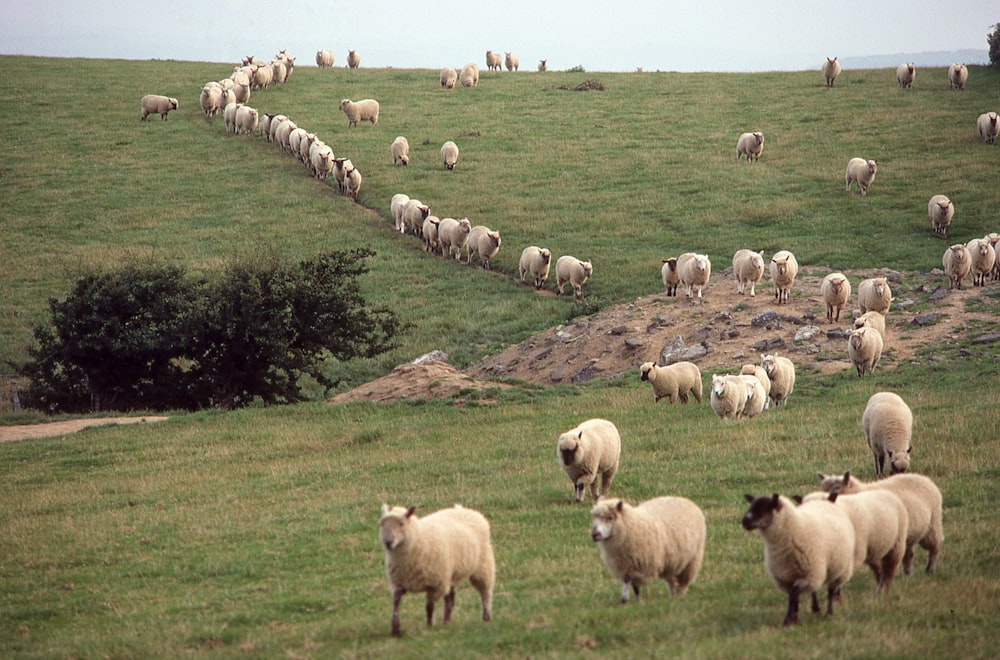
<point>993,40</point>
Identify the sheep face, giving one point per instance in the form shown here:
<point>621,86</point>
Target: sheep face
<point>392,526</point>
<point>568,450</point>
<point>645,369</point>
<point>718,385</point>
<point>604,516</point>
<point>760,515</point>
<point>899,461</point>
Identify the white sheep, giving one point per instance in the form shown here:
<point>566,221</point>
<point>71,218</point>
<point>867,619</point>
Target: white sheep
<point>957,264</point>
<point>295,141</point>
<point>864,348</point>
<point>484,242</point>
<point>805,547</point>
<point>274,125</point>
<point>872,319</point>
<point>994,239</point>
<point>750,145</point>
<point>449,154</point>
<point>888,426</point>
<point>400,150</point>
<point>758,372</point>
<point>784,268</point>
<point>831,69</point>
<point>321,159</point>
<point>341,168</point>
<point>282,132</point>
<point>493,61</point>
<point>988,125</point>
<point>448,77</point>
<point>905,73</point>
<point>588,452</point>
<point>660,538</point>
<point>668,273</point>
<point>414,214</point>
<point>957,75</point>
<point>263,77</point>
<point>352,183</point>
<point>693,271</point>
<point>430,233</point>
<point>306,141</point>
<point>835,290</point>
<point>353,59</point>
<point>672,381</point>
<point>435,553</point>
<point>874,294</point>
<point>229,116</point>
<point>536,261</point>
<point>941,210</point>
<point>543,65</point>
<point>209,99</point>
<point>396,206</point>
<point>861,171</point>
<point>154,104</point>
<point>982,258</point>
<point>729,396</point>
<point>470,75</point>
<point>453,235</point>
<point>364,110</point>
<point>324,59</point>
<point>748,269</point>
<point>781,371</point>
<point>264,126</point>
<point>511,61</point>
<point>246,120</point>
<point>757,395</point>
<point>572,270</point>
<point>922,500</point>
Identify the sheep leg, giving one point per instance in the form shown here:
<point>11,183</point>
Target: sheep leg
<point>833,594</point>
<point>578,491</point>
<point>397,595</point>
<point>792,615</point>
<point>429,608</point>
<point>932,553</point>
<point>449,605</point>
<point>908,558</point>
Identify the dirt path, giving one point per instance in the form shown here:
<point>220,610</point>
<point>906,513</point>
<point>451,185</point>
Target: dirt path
<point>49,429</point>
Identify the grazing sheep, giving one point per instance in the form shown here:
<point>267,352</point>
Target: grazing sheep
<point>729,396</point>
<point>957,264</point>
<point>512,61</point>
<point>154,104</point>
<point>888,426</point>
<point>453,235</point>
<point>535,260</point>
<point>756,401</point>
<point>209,99</point>
<point>321,159</point>
<point>758,372</point>
<point>748,269</point>
<point>493,61</point>
<point>414,214</point>
<point>400,150</point>
<point>835,289</point>
<point>365,110</point>
<point>572,270</point>
<point>874,294</point>
<point>543,65</point>
<point>941,210</point>
<point>673,381</point>
<point>660,538</point>
<point>430,233</point>
<point>352,183</point>
<point>922,500</point>
<point>353,59</point>
<point>693,271</point>
<point>750,145</point>
<point>982,258</point>
<point>448,77</point>
<point>781,371</point>
<point>805,547</point>
<point>988,124</point>
<point>957,75</point>
<point>449,154</point>
<point>589,451</point>
<point>784,268</point>
<point>864,348</point>
<point>229,116</point>
<point>246,120</point>
<point>668,273</point>
<point>433,554</point>
<point>872,319</point>
<point>324,59</point>
<point>341,168</point>
<point>905,73</point>
<point>396,206</point>
<point>831,69</point>
<point>470,75</point>
<point>282,133</point>
<point>862,171</point>
<point>482,241</point>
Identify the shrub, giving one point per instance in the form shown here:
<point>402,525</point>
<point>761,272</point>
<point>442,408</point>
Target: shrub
<point>993,39</point>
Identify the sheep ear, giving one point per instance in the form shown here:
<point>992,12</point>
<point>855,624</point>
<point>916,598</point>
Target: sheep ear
<point>847,477</point>
<point>821,476</point>
<point>410,511</point>
<point>797,498</point>
<point>776,500</point>
<point>620,505</point>
<point>909,449</point>
<point>832,497</point>
<point>385,508</point>
<point>580,436</point>
<point>748,497</point>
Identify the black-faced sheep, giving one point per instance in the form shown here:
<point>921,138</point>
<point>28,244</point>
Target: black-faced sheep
<point>668,273</point>
<point>154,104</point>
<point>888,427</point>
<point>673,381</point>
<point>590,452</point>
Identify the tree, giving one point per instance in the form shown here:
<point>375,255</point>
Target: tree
<point>993,40</point>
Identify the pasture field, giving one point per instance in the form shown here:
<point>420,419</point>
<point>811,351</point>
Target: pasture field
<point>254,533</point>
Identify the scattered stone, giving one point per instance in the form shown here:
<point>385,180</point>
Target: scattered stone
<point>924,319</point>
<point>634,343</point>
<point>433,356</point>
<point>806,334</point>
<point>767,344</point>
<point>766,319</point>
<point>544,354</point>
<point>966,353</point>
<point>988,338</point>
<point>905,304</point>
<point>584,375</point>
<point>938,294</point>
<point>838,333</point>
<point>618,330</point>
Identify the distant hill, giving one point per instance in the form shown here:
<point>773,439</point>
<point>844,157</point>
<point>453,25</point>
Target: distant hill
<point>929,58</point>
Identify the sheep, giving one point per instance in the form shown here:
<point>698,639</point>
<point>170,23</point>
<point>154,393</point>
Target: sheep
<point>672,381</point>
<point>729,396</point>
<point>874,294</point>
<point>453,235</point>
<point>941,210</point>
<point>470,75</point>
<point>888,426</point>
<point>693,270</point>
<point>957,264</point>
<point>905,73</point>
<point>209,99</point>
<point>246,120</point>
<point>864,348</point>
<point>396,206</point>
<point>341,168</point>
<point>668,273</point>
<point>872,319</point>
<point>863,172</point>
<point>781,371</point>
<point>449,154</point>
<point>660,538</point>
<point>324,59</point>
<point>988,124</point>
<point>805,547</point>
<point>353,59</point>
<point>758,372</point>
<point>482,241</point>
<point>352,183</point>
<point>748,268</point>
<point>306,141</point>
<point>750,145</point>
<point>448,77</point>
<point>957,75</point>
<point>588,451</point>
<point>282,133</point>
<point>922,500</point>
<point>784,268</point>
<point>321,160</point>
<point>831,69</point>
<point>433,554</point>
<point>835,290</point>
<point>757,394</point>
<point>274,124</point>
<point>982,258</point>
<point>414,214</point>
<point>400,151</point>
<point>493,61</point>
<point>535,260</point>
<point>229,116</point>
<point>226,96</point>
<point>263,77</point>
<point>364,110</point>
<point>154,104</point>
<point>430,233</point>
<point>512,61</point>
<point>572,270</point>
<point>264,126</point>
<point>994,239</point>
<point>295,141</point>
<point>543,65</point>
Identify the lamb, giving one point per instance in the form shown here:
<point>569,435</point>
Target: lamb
<point>835,289</point>
<point>482,241</point>
<point>209,99</point>
<point>982,258</point>
<point>922,500</point>
<point>831,69</point>
<point>888,426</point>
<point>470,75</point>
<point>957,75</point>
<point>341,168</point>
<point>784,268</point>
<point>306,141</point>
<point>400,150</point>
<point>246,120</point>
<point>414,214</point>
<point>264,126</point>
<point>493,61</point>
<point>396,206</point>
<point>352,183</point>
<point>154,104</point>
<point>750,145</point>
<point>668,273</point>
<point>588,451</point>
<point>957,264</point>
<point>672,381</point>
<point>756,401</point>
<point>748,268</point>
<point>543,65</point>
<point>295,142</point>
<point>453,235</point>
<point>729,396</point>
<point>905,73</point>
<point>872,319</point>
<point>988,124</point>
<point>874,294</point>
<point>448,77</point>
<point>693,270</point>
<point>535,260</point>
<point>572,270</point>
<point>864,347</point>
<point>862,171</point>
<point>781,371</point>
<point>364,110</point>
<point>512,61</point>
<point>805,547</point>
<point>430,233</point>
<point>449,154</point>
<point>941,210</point>
<point>353,59</point>
<point>758,372</point>
<point>660,538</point>
<point>324,59</point>
<point>321,160</point>
<point>433,554</point>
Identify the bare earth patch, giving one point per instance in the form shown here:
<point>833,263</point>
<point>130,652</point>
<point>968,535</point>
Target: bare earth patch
<point>49,429</point>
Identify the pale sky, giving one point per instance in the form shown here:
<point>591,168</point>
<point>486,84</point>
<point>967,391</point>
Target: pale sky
<point>668,35</point>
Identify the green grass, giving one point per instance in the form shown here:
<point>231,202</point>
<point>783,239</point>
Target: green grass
<point>255,532</point>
